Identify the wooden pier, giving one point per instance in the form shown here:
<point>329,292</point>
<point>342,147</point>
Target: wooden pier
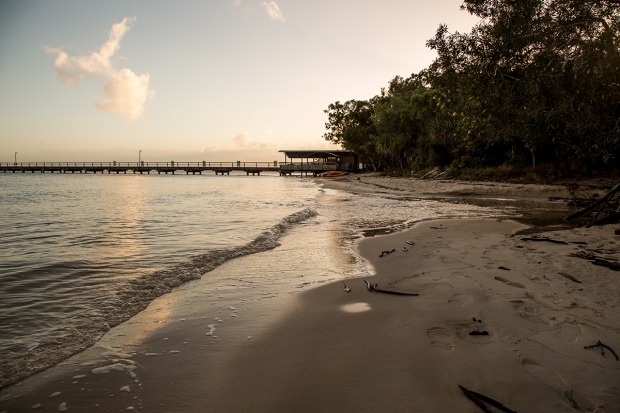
<point>304,162</point>
<point>220,168</point>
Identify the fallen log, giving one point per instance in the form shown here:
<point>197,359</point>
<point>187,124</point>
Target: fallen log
<point>605,211</point>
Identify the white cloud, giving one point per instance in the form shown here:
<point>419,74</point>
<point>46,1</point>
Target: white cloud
<point>273,10</point>
<point>243,141</point>
<point>126,93</point>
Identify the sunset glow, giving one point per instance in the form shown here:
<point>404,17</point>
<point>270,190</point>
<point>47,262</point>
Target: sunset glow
<point>218,81</point>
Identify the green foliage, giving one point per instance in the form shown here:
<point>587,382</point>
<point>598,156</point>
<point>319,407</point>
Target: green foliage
<point>534,82</point>
<point>350,125</point>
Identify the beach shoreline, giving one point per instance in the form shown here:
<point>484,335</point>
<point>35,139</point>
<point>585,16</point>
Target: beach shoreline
<point>369,351</point>
<point>331,350</point>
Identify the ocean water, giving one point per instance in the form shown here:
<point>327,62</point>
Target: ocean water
<point>83,253</point>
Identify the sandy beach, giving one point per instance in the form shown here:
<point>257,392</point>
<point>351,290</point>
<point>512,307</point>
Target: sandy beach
<point>528,322</point>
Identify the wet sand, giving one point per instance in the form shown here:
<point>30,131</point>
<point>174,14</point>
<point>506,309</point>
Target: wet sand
<point>503,316</point>
<point>369,351</point>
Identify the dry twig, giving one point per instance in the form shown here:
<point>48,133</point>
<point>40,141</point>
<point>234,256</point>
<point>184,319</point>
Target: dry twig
<point>603,347</point>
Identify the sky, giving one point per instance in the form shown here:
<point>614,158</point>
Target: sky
<point>198,80</point>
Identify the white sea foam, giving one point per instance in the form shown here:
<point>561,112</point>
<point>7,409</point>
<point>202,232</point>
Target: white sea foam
<point>115,353</point>
<point>211,330</point>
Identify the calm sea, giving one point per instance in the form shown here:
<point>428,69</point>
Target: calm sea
<point>82,253</point>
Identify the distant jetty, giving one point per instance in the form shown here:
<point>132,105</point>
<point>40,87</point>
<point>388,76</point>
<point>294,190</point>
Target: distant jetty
<point>302,162</point>
<point>220,168</point>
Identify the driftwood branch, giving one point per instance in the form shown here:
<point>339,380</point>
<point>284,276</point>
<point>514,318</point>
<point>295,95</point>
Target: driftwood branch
<point>606,210</point>
<point>480,400</point>
<point>374,288</point>
<point>386,252</point>
<point>602,347</point>
<point>555,241</point>
<point>570,277</point>
<point>596,260</point>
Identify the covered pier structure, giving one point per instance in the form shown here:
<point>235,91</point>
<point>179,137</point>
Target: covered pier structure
<point>318,161</point>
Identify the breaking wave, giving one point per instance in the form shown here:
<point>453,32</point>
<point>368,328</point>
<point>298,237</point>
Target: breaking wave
<point>139,292</point>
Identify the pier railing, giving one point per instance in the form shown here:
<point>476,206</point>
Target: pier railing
<point>141,167</point>
<point>141,164</point>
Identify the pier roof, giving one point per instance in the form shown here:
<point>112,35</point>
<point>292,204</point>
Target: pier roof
<point>315,153</point>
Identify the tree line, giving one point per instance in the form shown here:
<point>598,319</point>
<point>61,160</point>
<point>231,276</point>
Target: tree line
<point>535,82</point>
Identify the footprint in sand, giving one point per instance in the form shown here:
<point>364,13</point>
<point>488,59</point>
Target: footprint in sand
<point>461,299</point>
<point>441,338</point>
<point>531,317</point>
<point>539,280</point>
<point>528,313</point>
<point>510,283</point>
<point>556,382</point>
